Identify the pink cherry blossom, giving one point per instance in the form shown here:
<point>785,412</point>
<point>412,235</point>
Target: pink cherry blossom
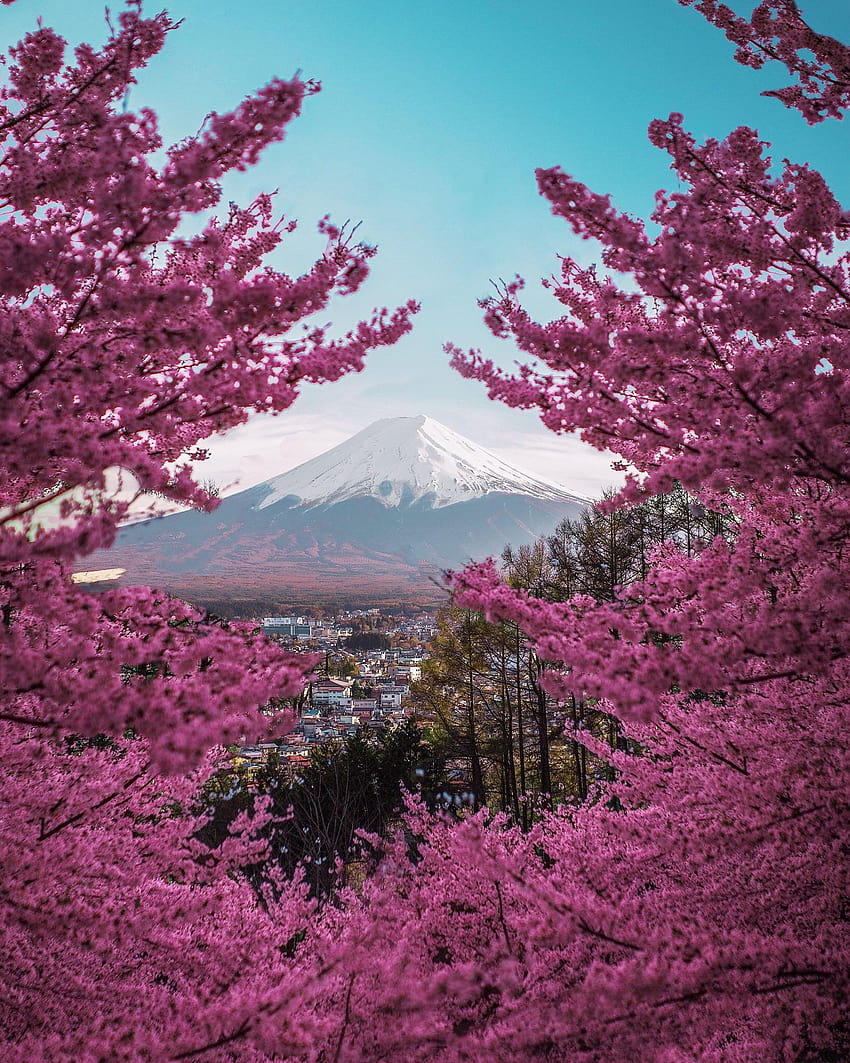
<point>695,908</point>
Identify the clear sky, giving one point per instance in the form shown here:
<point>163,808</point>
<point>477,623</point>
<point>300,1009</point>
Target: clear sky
<point>428,129</point>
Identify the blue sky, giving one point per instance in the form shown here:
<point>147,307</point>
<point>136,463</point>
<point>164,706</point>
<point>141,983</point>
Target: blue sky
<point>430,123</point>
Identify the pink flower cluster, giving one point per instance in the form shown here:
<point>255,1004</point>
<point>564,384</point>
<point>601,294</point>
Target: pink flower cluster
<point>776,31</point>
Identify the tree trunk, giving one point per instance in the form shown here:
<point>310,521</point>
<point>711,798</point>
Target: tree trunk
<point>523,783</point>
<point>535,667</point>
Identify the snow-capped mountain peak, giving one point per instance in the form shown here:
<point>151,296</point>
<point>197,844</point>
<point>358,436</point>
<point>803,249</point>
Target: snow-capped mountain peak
<point>400,460</point>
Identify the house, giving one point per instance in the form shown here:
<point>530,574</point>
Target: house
<point>331,691</point>
<point>390,696</point>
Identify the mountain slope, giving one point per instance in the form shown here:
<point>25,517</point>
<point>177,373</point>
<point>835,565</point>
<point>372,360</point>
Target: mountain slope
<point>373,520</point>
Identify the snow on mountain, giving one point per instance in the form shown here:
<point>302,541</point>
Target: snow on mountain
<point>400,460</point>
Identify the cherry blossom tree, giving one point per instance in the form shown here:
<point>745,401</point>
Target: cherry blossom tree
<point>129,337</point>
<point>703,912</point>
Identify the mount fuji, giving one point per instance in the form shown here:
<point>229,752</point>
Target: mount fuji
<point>402,460</point>
<point>373,520</point>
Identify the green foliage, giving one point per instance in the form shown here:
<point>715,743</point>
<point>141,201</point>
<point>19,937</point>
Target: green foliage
<point>605,549</point>
<point>341,666</point>
<point>482,693</point>
<point>350,788</point>
<point>367,640</point>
